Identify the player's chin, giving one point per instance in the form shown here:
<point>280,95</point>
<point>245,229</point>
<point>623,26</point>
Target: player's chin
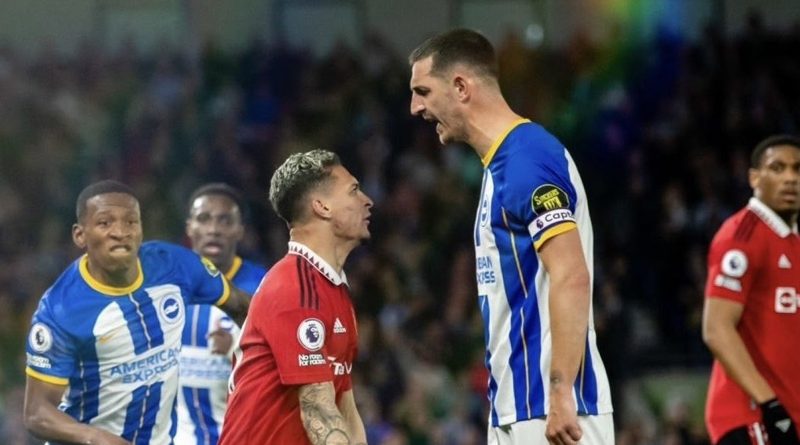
<point>213,256</point>
<point>120,263</point>
<point>789,207</point>
<point>788,202</point>
<point>786,210</point>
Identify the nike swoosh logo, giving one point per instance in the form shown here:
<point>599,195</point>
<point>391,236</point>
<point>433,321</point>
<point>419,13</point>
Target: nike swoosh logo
<point>105,338</point>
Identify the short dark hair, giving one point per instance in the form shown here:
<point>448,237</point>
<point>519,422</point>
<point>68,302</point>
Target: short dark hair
<point>773,141</point>
<point>218,188</point>
<point>298,175</point>
<point>100,188</point>
<point>458,46</point>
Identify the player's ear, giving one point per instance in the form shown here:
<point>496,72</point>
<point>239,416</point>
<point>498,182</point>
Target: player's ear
<point>753,176</point>
<point>320,208</point>
<point>462,86</point>
<point>78,236</point>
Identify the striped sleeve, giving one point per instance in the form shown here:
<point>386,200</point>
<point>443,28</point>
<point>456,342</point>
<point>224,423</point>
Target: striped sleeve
<point>540,192</point>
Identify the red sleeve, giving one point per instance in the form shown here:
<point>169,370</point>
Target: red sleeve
<point>297,337</point>
<point>732,266</point>
<point>348,381</point>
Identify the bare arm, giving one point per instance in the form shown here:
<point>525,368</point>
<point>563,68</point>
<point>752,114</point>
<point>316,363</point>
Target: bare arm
<point>236,307</point>
<point>562,257</point>
<point>321,418</point>
<point>347,406</point>
<point>45,421</point>
<point>720,318</point>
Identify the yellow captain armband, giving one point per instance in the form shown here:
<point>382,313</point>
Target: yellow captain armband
<point>554,231</point>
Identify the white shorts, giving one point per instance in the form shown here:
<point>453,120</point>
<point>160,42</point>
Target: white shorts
<point>597,430</point>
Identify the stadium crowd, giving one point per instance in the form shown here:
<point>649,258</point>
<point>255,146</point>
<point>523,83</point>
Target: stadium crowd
<point>661,129</point>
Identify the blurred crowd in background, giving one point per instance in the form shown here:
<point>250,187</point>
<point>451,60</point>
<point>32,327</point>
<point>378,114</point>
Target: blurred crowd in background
<point>661,130</point>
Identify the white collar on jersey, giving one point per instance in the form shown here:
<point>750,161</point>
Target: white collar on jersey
<point>775,222</point>
<point>322,266</point>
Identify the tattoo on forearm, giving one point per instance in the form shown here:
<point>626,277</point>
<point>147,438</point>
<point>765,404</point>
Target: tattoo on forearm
<point>322,420</point>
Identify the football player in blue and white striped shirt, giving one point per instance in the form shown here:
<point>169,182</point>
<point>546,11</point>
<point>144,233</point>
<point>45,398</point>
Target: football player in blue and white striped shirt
<point>533,246</point>
<point>215,225</point>
<point>103,348</point>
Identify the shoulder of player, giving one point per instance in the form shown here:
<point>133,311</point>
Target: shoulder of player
<point>531,156</point>
<point>535,143</point>
<point>252,268</point>
<point>289,286</point>
<point>741,235</point>
<point>739,227</point>
<point>533,172</point>
<point>61,301</point>
<point>163,259</point>
<point>161,249</point>
<point>283,277</point>
<point>61,293</point>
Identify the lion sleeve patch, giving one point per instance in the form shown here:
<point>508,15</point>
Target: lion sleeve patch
<point>311,334</point>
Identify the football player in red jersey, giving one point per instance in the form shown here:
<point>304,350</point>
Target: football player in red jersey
<point>751,318</point>
<point>291,382</point>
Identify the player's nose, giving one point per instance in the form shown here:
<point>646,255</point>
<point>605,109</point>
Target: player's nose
<point>213,227</point>
<point>119,230</point>
<point>416,107</point>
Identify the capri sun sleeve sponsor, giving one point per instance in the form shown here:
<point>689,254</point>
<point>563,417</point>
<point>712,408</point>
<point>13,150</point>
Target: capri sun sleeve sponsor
<point>550,219</point>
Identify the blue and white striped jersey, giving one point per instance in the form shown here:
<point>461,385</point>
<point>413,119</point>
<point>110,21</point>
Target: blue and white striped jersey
<point>203,394</point>
<point>117,349</point>
<point>531,192</point>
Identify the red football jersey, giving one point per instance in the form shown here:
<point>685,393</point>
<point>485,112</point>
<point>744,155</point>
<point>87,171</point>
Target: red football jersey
<point>754,260</point>
<point>300,329</point>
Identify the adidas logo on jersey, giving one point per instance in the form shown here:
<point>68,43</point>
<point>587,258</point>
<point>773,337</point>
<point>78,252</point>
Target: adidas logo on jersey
<point>784,262</point>
<point>338,327</point>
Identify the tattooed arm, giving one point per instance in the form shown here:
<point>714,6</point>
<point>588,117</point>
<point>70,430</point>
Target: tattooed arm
<point>321,418</point>
<point>347,406</point>
<point>569,306</point>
